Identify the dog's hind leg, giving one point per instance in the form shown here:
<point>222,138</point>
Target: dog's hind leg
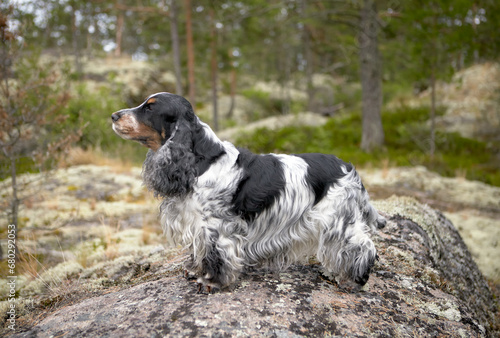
<point>347,251</point>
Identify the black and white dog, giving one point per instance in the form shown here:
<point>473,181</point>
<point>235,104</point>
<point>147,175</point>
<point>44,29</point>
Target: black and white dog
<point>233,209</point>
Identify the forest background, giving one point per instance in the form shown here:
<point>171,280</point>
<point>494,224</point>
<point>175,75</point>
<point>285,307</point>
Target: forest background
<point>374,69</point>
<point>347,58</point>
<point>395,85</point>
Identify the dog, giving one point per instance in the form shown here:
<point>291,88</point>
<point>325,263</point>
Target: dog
<point>233,209</point>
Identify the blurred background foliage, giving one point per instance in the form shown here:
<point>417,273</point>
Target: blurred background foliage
<point>258,59</point>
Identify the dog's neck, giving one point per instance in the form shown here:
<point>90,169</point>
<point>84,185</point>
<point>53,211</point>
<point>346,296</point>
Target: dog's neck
<point>209,133</point>
<point>207,147</point>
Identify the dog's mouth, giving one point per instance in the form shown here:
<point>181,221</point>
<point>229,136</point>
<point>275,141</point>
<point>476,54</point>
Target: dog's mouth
<point>121,131</point>
<point>143,134</point>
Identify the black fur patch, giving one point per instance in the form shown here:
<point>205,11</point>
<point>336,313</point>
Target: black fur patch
<point>362,279</point>
<point>205,150</point>
<point>213,264</point>
<point>262,182</point>
<point>323,172</point>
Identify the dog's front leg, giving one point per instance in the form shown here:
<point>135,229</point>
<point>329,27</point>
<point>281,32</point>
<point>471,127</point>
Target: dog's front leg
<point>222,262</point>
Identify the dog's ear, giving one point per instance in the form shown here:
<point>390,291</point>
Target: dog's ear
<point>171,170</point>
<point>193,135</point>
<point>189,151</point>
<point>183,134</point>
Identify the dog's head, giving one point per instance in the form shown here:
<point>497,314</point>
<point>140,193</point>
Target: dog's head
<point>182,147</point>
<point>155,121</point>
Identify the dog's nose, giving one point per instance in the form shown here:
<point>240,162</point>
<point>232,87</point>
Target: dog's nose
<point>115,116</point>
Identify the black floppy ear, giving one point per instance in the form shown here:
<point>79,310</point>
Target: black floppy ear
<point>190,133</point>
<point>171,170</point>
<point>183,134</point>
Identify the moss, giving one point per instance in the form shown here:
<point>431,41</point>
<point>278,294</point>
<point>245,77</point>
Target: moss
<point>51,278</point>
<point>404,256</point>
<point>444,309</point>
<point>23,165</point>
<point>419,213</point>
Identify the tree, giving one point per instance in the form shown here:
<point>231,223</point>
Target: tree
<point>190,51</point>
<point>437,34</point>
<point>214,67</point>
<point>120,17</point>
<point>32,100</point>
<point>174,32</point>
<point>371,78</point>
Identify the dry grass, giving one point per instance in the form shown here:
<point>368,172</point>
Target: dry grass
<point>95,156</point>
<point>461,174</point>
<point>110,240</point>
<point>385,167</point>
<point>29,265</point>
<point>150,232</point>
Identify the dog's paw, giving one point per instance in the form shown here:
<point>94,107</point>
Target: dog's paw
<point>207,288</point>
<point>381,222</point>
<point>189,275</point>
<point>350,286</point>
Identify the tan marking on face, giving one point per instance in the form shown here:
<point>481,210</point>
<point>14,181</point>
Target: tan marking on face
<point>130,129</point>
<point>125,125</point>
<point>151,100</point>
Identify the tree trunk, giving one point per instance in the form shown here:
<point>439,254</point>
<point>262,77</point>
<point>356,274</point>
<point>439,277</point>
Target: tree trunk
<point>213,63</point>
<point>371,78</point>
<point>75,37</point>
<point>175,48</point>
<point>308,58</point>
<point>119,31</point>
<point>433,114</point>
<point>309,72</point>
<point>285,84</point>
<point>190,51</point>
<point>14,208</point>
<point>90,37</point>
<point>232,91</point>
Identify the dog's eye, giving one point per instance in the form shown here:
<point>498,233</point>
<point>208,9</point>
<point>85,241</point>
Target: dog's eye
<point>148,107</point>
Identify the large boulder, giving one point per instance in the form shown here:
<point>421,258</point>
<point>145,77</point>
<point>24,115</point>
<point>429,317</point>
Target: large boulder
<point>425,284</point>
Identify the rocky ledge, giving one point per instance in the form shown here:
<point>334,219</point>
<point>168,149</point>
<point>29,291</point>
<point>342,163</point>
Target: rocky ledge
<point>425,284</point>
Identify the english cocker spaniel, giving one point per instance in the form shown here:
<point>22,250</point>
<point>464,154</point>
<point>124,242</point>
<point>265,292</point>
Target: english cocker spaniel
<point>233,209</point>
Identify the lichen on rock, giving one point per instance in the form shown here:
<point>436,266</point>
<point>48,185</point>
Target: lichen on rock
<point>425,284</point>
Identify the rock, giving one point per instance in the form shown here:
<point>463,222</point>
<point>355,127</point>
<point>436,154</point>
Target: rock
<point>471,101</point>
<point>472,206</point>
<point>425,284</point>
<point>273,123</point>
<point>430,186</point>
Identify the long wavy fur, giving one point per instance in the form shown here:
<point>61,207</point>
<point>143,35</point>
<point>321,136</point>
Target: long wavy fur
<point>233,209</point>
<point>171,170</point>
